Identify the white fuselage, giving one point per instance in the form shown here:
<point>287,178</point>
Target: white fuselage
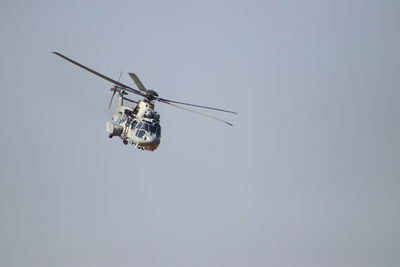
<point>139,126</point>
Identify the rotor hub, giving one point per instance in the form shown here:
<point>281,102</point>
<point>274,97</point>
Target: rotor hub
<point>151,94</point>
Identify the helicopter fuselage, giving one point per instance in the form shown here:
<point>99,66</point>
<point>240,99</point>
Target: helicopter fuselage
<point>139,126</point>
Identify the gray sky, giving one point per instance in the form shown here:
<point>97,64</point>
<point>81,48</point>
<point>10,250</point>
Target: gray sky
<point>308,176</point>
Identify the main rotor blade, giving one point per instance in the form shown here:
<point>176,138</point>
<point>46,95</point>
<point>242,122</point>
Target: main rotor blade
<point>194,105</point>
<point>101,75</point>
<point>138,83</point>
<point>130,100</point>
<point>112,97</point>
<point>115,90</point>
<point>194,111</point>
<point>143,91</point>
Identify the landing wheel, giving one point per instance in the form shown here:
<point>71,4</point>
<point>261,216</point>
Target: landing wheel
<point>110,135</point>
<point>125,142</point>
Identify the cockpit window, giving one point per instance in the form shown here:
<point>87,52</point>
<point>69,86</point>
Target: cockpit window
<point>145,126</point>
<point>140,133</point>
<point>153,129</point>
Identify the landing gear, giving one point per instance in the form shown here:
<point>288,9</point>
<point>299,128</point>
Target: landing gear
<point>110,135</point>
<point>125,142</point>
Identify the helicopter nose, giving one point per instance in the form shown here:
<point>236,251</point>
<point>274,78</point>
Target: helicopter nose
<point>149,139</point>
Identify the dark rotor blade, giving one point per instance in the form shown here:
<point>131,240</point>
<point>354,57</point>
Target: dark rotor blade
<point>130,100</point>
<point>194,111</point>
<point>138,83</point>
<point>109,106</point>
<point>194,105</point>
<point>115,90</point>
<point>101,75</point>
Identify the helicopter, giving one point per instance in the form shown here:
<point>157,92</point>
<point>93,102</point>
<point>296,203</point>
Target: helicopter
<point>139,125</point>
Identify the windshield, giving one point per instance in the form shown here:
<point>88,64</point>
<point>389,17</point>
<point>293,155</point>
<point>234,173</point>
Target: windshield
<point>138,125</point>
<point>140,133</point>
<point>143,126</point>
<point>133,124</point>
<point>153,129</point>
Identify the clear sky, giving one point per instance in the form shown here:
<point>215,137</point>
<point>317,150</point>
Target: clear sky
<point>308,176</point>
